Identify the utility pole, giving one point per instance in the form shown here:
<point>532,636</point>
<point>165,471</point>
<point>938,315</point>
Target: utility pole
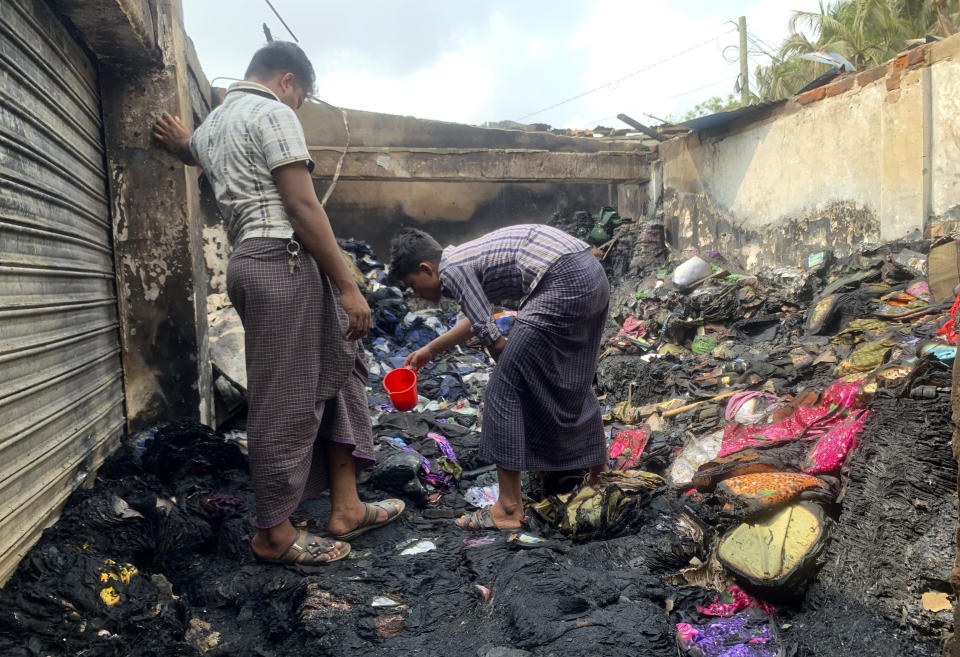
<point>744,68</point>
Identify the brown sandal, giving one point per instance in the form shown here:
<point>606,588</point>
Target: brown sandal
<point>306,550</point>
<point>393,509</point>
<point>482,520</point>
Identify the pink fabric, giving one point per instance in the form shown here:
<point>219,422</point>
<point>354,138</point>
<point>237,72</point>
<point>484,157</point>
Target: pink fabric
<point>632,327</point>
<point>949,328</point>
<point>831,450</point>
<point>739,399</point>
<point>920,289</point>
<point>806,423</point>
<point>627,448</point>
<point>685,632</point>
<point>740,600</point>
<point>841,395</point>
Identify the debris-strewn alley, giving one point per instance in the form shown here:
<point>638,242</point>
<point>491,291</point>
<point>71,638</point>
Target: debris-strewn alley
<point>209,274</point>
<point>779,486</point>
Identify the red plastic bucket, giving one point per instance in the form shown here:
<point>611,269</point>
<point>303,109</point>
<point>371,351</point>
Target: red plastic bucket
<point>401,385</point>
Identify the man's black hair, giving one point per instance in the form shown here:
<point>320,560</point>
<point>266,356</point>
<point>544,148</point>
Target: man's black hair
<point>283,57</point>
<point>408,249</point>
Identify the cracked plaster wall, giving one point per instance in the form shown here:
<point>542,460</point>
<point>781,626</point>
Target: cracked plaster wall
<point>157,221</point>
<point>871,157</point>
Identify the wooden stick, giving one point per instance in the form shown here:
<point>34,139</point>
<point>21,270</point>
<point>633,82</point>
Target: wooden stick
<point>610,247</point>
<point>690,407</point>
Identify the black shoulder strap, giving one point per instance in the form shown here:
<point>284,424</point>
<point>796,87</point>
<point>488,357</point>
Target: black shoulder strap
<point>256,92</point>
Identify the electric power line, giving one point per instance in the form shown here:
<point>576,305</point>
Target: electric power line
<point>277,13</point>
<point>682,93</point>
<point>760,45</point>
<point>618,80</point>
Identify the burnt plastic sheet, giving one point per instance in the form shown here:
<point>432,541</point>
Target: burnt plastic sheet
<point>623,376</point>
<point>831,623</point>
<point>897,529</point>
<point>551,604</point>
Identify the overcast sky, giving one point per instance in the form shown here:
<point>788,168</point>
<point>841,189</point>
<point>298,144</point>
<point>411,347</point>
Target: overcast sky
<point>492,60</point>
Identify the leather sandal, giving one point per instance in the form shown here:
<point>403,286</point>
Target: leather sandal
<point>306,550</point>
<point>393,508</point>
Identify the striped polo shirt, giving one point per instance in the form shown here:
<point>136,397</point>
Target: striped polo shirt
<point>504,265</point>
<point>238,145</point>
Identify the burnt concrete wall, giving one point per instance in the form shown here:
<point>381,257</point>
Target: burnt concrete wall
<point>452,212</point>
<point>147,66</point>
<point>873,156</point>
<point>694,220</point>
<point>323,125</point>
<point>459,181</point>
<point>453,180</point>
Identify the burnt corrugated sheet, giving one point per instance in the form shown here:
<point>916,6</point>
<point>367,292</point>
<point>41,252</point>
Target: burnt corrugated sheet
<point>61,392</point>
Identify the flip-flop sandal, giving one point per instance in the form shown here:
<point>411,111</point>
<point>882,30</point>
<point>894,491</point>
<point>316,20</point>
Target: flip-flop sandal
<point>393,507</point>
<point>305,543</point>
<point>482,520</point>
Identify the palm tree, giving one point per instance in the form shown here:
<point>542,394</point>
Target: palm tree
<point>865,32</point>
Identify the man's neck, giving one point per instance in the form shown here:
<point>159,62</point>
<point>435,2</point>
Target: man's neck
<point>263,83</point>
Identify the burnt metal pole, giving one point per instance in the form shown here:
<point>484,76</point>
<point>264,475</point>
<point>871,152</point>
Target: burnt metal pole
<point>744,68</point>
<point>633,123</point>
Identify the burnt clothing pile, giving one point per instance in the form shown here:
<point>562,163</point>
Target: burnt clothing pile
<point>797,407</point>
<point>781,483</point>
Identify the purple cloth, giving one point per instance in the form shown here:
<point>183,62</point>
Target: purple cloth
<point>444,445</point>
<point>746,634</point>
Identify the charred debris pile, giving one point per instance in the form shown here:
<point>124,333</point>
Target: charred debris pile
<point>782,484</point>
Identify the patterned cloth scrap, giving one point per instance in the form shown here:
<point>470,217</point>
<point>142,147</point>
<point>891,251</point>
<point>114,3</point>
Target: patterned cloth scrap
<point>540,409</point>
<point>806,422</point>
<point>746,461</point>
<point>505,265</point>
<point>762,491</point>
<point>831,450</point>
<point>239,145</point>
<point>304,381</point>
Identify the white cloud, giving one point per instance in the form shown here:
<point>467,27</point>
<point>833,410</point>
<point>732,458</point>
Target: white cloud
<point>459,81</point>
<point>501,59</point>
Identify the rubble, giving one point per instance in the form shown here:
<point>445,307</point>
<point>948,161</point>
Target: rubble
<point>782,482</point>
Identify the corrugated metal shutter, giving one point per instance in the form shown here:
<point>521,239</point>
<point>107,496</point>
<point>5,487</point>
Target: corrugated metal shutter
<point>61,390</point>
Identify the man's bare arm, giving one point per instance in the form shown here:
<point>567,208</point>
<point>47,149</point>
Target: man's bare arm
<point>312,226</point>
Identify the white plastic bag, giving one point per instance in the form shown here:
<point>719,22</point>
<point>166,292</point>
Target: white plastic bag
<point>691,271</point>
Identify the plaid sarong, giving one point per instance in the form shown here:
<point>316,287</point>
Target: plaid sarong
<point>540,409</point>
<point>304,381</point>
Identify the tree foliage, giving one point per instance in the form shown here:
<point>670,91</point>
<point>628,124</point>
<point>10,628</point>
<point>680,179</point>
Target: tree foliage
<point>712,106</point>
<point>865,32</point>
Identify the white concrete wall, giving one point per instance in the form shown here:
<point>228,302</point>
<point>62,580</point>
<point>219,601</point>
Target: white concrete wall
<point>886,141</point>
<point>945,131</point>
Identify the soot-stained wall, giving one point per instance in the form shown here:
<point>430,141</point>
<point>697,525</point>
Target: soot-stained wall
<point>452,212</point>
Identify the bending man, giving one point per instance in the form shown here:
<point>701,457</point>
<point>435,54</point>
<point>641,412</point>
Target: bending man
<point>540,410</point>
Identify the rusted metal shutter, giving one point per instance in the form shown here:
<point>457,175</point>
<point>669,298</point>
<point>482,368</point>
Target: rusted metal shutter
<point>61,390</point>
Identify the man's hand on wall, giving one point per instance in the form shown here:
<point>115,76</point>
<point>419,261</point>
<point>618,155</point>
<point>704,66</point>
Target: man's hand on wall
<point>174,136</point>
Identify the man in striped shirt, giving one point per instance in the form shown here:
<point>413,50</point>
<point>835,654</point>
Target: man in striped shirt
<point>540,410</point>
